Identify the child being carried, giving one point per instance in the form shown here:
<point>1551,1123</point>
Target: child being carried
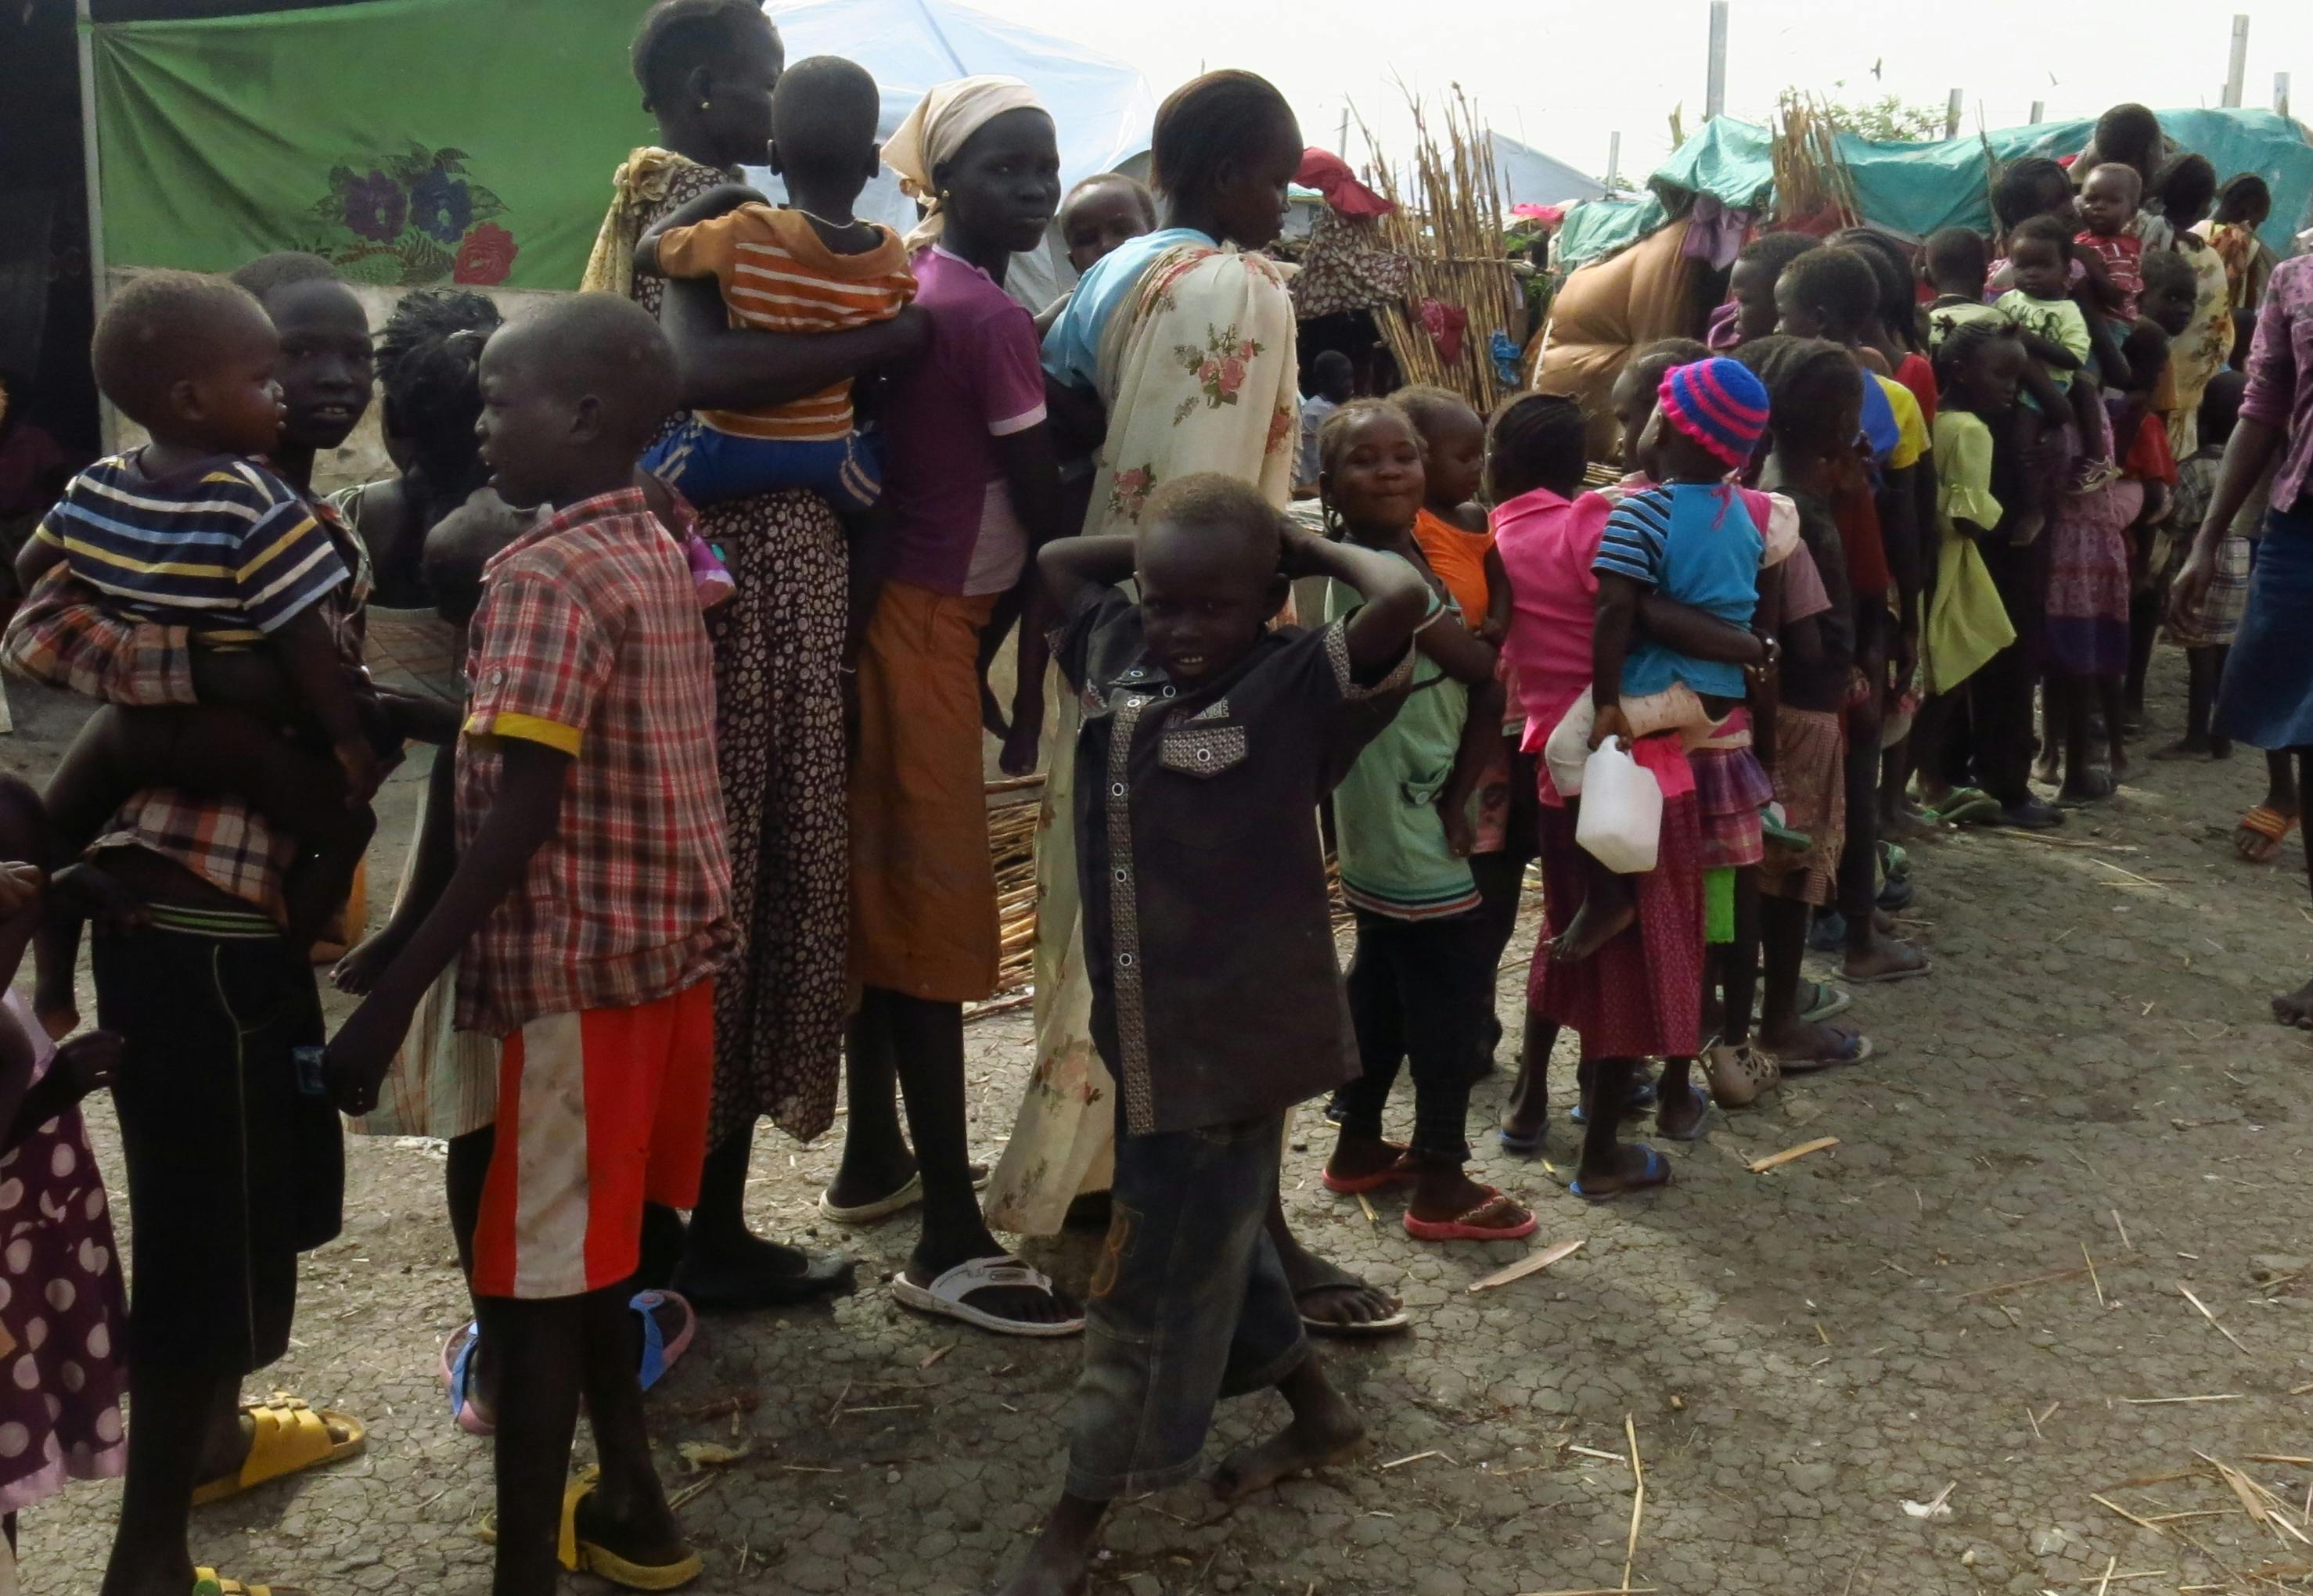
<point>808,267</point>
<point>1691,540</point>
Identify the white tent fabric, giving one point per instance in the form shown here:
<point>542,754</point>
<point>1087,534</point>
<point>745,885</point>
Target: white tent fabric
<point>1102,108</point>
<point>1528,177</point>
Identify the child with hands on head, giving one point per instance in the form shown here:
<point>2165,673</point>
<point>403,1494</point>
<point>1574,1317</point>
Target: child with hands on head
<point>1208,740</point>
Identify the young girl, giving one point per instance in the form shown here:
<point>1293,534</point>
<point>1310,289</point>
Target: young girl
<point>1816,402</point>
<point>1690,540</point>
<point>63,1311</point>
<point>1978,364</point>
<point>1422,981</point>
<point>1639,994</point>
<point>973,489</point>
<point>2144,429</point>
<point>2205,629</point>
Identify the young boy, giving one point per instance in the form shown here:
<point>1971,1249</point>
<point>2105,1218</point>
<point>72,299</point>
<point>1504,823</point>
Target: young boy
<point>1102,212</point>
<point>189,530</point>
<point>1336,383</point>
<point>1208,741</point>
<point>806,266</point>
<point>589,909</point>
<point>2109,202</point>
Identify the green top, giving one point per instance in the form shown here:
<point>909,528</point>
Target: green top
<point>1394,853</point>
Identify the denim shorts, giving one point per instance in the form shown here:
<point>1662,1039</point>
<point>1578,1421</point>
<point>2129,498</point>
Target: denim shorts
<point>1189,1304</point>
<point>708,467</point>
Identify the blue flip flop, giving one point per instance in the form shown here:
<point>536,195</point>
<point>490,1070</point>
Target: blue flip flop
<point>1640,1100</point>
<point>1701,1121</point>
<point>1522,1146</point>
<point>1657,1174</point>
<point>658,1353</point>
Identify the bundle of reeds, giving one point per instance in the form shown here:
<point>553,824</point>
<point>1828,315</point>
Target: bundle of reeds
<point>1449,222</point>
<point>1810,175</point>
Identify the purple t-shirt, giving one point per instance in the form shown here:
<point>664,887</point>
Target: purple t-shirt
<point>980,378</point>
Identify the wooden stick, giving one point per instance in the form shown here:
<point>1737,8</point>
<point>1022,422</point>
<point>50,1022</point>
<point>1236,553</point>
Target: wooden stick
<point>1416,1457</point>
<point>1600,1591</point>
<point>2167,1401</point>
<point>2212,1318</point>
<point>1777,1160</point>
<point>2270,1457</point>
<point>2105,1584</point>
<point>2126,1245</point>
<point>2122,1512</point>
<point>2001,1291</point>
<point>1531,1264</point>
<point>1637,1499</point>
<point>2092,1275</point>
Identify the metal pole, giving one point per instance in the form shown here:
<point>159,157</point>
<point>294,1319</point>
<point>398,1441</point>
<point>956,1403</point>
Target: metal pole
<point>1614,161</point>
<point>1714,93</point>
<point>1951,115</point>
<point>1341,148</point>
<point>85,41</point>
<point>2280,93</point>
<point>2237,69</point>
<point>2039,111</point>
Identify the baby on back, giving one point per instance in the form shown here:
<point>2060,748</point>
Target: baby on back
<point>807,267</point>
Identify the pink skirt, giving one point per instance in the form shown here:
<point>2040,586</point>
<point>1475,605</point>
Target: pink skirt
<point>1730,790</point>
<point>1641,995</point>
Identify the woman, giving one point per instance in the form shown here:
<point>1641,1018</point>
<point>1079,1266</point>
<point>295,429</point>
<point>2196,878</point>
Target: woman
<point>972,486</point>
<point>1226,146</point>
<point>2266,697</point>
<point>707,69</point>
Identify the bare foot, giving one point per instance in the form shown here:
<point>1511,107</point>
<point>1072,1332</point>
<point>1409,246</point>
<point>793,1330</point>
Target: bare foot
<point>1682,1115</point>
<point>2296,1008</point>
<point>1633,1167</point>
<point>1060,1562</point>
<point>2185,747</point>
<point>1447,1195</point>
<point>1595,924</point>
<point>1886,960</point>
<point>1357,1160</point>
<point>1322,1432</point>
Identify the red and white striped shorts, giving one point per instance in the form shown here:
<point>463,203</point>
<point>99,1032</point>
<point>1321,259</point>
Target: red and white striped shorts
<point>599,1112</point>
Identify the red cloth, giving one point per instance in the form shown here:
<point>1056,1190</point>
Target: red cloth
<point>1857,516</point>
<point>1641,995</point>
<point>1331,176</point>
<point>1916,374</point>
<point>2149,458</point>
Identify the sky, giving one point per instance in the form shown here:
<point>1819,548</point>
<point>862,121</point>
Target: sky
<point>1562,76</point>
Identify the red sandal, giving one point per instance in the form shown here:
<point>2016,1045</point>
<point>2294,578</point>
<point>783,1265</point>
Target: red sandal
<point>1398,1173</point>
<point>1497,1219</point>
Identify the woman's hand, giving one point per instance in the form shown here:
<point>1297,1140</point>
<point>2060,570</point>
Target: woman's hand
<point>88,1063</point>
<point>357,974</point>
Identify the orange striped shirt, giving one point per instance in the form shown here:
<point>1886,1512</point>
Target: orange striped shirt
<point>778,273</point>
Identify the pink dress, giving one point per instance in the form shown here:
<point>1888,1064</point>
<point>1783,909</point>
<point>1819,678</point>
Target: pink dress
<point>61,1307</point>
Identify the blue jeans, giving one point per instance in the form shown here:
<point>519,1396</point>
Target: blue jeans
<point>708,467</point>
<point>1189,1304</point>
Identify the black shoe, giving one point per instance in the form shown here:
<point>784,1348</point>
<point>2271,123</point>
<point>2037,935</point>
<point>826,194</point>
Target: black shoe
<point>1335,1112</point>
<point>2032,815</point>
<point>1896,895</point>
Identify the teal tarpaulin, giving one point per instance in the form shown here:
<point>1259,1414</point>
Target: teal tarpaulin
<point>1917,188</point>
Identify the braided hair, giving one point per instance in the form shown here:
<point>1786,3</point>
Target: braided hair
<point>1807,379</point>
<point>429,365</point>
<point>1536,440</point>
<point>1963,343</point>
<point>1333,442</point>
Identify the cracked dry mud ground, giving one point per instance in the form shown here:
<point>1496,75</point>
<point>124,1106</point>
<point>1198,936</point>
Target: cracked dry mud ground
<point>1799,1352</point>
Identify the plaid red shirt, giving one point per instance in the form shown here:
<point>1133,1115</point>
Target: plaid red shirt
<point>63,635</point>
<point>589,640</point>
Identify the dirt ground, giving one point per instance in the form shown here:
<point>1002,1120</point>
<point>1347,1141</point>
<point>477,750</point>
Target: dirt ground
<point>2089,1079</point>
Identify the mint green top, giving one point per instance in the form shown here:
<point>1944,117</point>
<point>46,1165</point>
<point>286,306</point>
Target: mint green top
<point>1393,854</point>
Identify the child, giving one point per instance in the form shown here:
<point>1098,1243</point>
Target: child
<point>1335,382</point>
<point>1102,213</point>
<point>63,1315</point>
<point>2108,204</point>
<point>1422,981</point>
<point>1639,996</point>
<point>1691,540</point>
<point>2204,628</point>
<point>1815,407</point>
<point>191,359</point>
<point>1632,400</point>
<point>1956,264</point>
<point>1451,526</point>
<point>1750,309</point>
<point>585,778</point>
<point>1217,1002</point>
<point>807,267</point>
<point>1978,365</point>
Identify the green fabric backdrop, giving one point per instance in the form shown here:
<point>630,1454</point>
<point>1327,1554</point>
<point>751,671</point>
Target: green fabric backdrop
<point>413,142</point>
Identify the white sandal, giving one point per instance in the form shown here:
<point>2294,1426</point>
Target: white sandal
<point>884,1207</point>
<point>943,1297</point>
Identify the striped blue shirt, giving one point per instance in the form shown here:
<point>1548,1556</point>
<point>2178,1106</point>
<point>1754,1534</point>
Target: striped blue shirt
<point>1694,542</point>
<point>226,549</point>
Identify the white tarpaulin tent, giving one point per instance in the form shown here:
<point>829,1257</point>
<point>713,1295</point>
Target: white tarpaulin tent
<point>1103,107</point>
<point>1528,177</point>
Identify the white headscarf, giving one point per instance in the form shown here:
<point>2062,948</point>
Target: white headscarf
<point>949,114</point>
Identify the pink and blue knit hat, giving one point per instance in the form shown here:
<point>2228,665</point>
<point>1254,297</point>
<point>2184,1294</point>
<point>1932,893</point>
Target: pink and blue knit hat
<point>1719,403</point>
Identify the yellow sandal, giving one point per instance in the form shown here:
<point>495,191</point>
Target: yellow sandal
<point>586,1557</point>
<point>290,1437</point>
<point>209,1581</point>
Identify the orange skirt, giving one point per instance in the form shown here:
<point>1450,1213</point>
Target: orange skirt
<point>923,887</point>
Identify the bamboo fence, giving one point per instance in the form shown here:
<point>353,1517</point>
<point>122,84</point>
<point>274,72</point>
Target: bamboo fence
<point>1449,222</point>
<point>1810,175</point>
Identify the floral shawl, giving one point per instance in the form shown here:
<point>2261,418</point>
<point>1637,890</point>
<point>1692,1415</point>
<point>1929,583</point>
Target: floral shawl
<point>2200,353</point>
<point>638,192</point>
<point>1189,368</point>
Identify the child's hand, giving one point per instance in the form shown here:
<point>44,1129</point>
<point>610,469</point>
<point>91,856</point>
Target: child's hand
<point>94,895</point>
<point>1611,722</point>
<point>1461,832</point>
<point>1021,744</point>
<point>21,885</point>
<point>363,1050</point>
<point>1494,631</point>
<point>87,1063</point>
<point>359,763</point>
<point>356,973</point>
